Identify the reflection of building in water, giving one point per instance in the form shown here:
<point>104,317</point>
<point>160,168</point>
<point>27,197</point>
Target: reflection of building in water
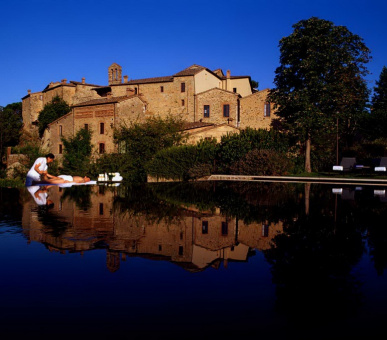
<point>193,240</point>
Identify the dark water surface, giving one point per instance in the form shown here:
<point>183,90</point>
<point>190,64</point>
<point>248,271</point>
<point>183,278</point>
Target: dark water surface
<point>187,261</point>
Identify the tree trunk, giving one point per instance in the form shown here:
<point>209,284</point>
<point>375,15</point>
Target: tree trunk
<point>307,155</point>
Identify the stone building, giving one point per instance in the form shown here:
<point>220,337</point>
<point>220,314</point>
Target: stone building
<point>196,94</point>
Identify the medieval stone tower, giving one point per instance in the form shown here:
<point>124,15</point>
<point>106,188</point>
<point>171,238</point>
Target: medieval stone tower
<point>115,74</point>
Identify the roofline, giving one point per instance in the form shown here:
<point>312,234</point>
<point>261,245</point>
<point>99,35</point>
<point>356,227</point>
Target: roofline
<point>217,88</point>
<point>56,120</point>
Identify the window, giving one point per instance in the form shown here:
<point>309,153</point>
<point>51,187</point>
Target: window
<point>101,208</point>
<point>60,130</point>
<point>206,111</point>
<point>182,102</point>
<point>267,110</point>
<point>101,148</point>
<point>234,90</point>
<point>182,87</point>
<point>161,88</point>
<point>135,90</point>
<point>204,227</point>
<point>181,250</point>
<point>226,110</point>
<point>160,247</point>
<point>60,148</point>
<point>101,128</point>
<point>224,228</point>
<point>86,127</point>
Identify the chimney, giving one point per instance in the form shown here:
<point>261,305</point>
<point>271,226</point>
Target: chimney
<point>51,84</point>
<point>83,80</point>
<point>228,81</point>
<point>64,81</point>
<point>125,79</point>
<point>109,94</point>
<point>29,91</point>
<point>129,92</point>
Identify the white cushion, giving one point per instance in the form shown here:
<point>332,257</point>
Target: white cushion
<point>338,167</point>
<point>380,168</point>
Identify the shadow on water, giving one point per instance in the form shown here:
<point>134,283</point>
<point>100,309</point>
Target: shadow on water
<point>311,235</point>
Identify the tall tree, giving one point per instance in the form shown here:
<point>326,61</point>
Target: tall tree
<point>52,111</point>
<point>320,84</point>
<point>377,126</point>
<point>10,125</point>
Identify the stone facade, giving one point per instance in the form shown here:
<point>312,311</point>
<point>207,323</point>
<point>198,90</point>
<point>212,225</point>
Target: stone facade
<point>187,94</point>
<point>221,106</point>
<point>100,116</point>
<point>253,112</point>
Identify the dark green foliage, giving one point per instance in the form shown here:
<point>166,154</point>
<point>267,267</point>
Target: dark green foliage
<point>320,82</point>
<point>52,111</point>
<point>254,84</point>
<point>11,124</point>
<point>142,141</point>
<point>235,146</point>
<point>114,162</point>
<point>375,123</point>
<point>77,153</point>
<point>262,162</point>
<point>184,162</point>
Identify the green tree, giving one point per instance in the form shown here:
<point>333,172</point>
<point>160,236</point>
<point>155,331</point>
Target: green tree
<point>376,122</point>
<point>77,153</point>
<point>11,123</point>
<point>254,84</point>
<point>140,142</point>
<point>52,111</point>
<point>319,85</point>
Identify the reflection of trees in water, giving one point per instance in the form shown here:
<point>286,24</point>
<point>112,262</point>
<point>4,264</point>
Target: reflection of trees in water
<point>313,258</point>
<point>80,195</point>
<point>311,266</point>
<point>54,224</point>
<point>246,201</point>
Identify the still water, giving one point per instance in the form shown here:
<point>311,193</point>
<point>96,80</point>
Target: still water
<point>174,260</point>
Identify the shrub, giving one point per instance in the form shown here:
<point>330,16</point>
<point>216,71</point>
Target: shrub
<point>234,147</point>
<point>262,162</point>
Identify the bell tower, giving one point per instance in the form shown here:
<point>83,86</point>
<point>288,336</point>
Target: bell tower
<point>115,74</point>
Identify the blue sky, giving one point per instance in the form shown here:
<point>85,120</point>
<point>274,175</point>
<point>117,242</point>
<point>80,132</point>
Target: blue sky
<point>46,40</point>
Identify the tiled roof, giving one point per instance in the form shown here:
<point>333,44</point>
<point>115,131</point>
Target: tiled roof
<point>234,77</point>
<point>80,83</point>
<point>147,81</point>
<point>195,125</point>
<point>55,85</point>
<point>190,71</point>
<point>102,101</point>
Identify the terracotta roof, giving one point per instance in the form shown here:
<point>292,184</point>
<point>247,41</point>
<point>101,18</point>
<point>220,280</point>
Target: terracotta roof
<point>67,114</point>
<point>55,85</point>
<point>234,77</point>
<point>190,71</point>
<point>103,101</point>
<point>217,88</point>
<point>80,83</point>
<point>147,81</point>
<point>195,125</point>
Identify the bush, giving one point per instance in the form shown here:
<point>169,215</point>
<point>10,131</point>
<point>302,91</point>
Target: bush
<point>262,162</point>
<point>184,162</point>
<point>234,147</point>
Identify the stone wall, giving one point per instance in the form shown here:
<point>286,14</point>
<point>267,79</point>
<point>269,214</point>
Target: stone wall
<point>31,106</point>
<point>130,111</point>
<point>252,109</point>
<point>94,116</point>
<point>216,98</point>
<point>62,127</point>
